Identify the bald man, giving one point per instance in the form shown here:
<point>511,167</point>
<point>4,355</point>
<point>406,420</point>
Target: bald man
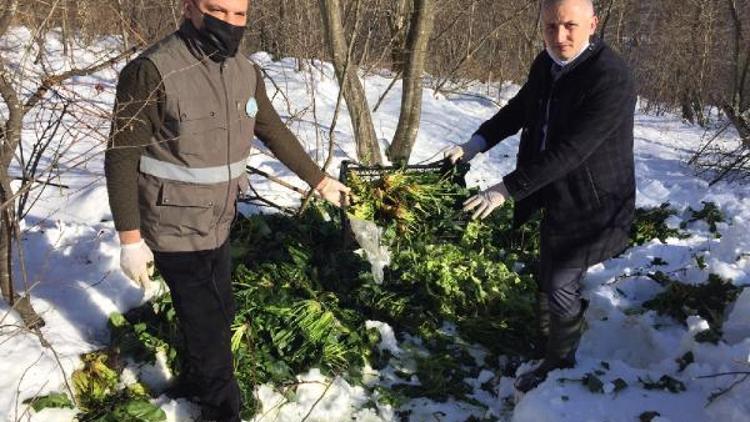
<point>575,164</point>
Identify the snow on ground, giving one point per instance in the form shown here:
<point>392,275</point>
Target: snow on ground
<point>71,262</point>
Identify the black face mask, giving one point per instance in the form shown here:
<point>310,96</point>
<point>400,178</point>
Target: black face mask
<point>220,39</point>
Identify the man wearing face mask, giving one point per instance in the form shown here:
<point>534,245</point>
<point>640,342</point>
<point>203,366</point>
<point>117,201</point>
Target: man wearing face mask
<point>186,111</point>
<point>575,163</point>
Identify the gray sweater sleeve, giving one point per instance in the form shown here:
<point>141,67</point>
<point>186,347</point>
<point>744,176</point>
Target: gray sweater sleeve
<point>137,114</point>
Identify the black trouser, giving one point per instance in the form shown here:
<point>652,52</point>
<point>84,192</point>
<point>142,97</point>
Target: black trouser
<point>561,287</point>
<point>201,288</point>
<point>559,311</point>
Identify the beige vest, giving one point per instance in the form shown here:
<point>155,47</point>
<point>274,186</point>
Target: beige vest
<point>193,169</point>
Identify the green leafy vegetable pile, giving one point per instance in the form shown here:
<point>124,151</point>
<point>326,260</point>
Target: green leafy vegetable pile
<point>651,223</point>
<point>707,300</point>
<point>304,293</point>
<point>412,204</point>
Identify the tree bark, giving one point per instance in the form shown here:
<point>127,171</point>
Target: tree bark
<point>399,25</point>
<point>10,136</point>
<point>740,120</point>
<point>124,24</point>
<point>605,20</point>
<point>6,284</point>
<point>11,132</point>
<point>736,107</point>
<point>422,22</point>
<point>7,12</point>
<point>368,151</point>
<point>741,59</point>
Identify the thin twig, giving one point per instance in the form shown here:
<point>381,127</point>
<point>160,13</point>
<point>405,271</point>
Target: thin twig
<point>267,202</point>
<point>723,374</point>
<point>699,153</point>
<point>275,179</point>
<point>328,387</point>
<point>278,90</point>
<point>387,90</point>
<point>714,396</point>
<point>20,381</point>
<point>101,280</point>
<point>47,345</point>
<point>53,80</point>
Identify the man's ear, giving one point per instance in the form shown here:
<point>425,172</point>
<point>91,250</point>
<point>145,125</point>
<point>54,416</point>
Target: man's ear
<point>594,24</point>
<point>189,8</point>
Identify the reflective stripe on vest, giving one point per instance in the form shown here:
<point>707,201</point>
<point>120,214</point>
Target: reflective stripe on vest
<point>199,176</point>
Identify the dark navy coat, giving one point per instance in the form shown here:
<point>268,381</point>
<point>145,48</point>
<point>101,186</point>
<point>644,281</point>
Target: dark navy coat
<point>583,179</point>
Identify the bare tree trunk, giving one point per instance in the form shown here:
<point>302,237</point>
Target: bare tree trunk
<point>741,58</point>
<point>368,150</point>
<point>65,31</point>
<point>6,132</point>
<point>278,47</point>
<point>124,24</point>
<point>21,304</point>
<point>6,284</point>
<point>11,131</point>
<point>605,21</point>
<point>10,137</point>
<point>740,120</point>
<point>398,22</point>
<point>736,109</point>
<point>411,99</point>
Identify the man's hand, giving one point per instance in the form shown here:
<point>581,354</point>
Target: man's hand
<point>467,151</point>
<point>136,261</point>
<point>487,201</point>
<point>333,191</point>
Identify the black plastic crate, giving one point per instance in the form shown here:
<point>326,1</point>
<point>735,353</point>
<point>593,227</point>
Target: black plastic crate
<point>372,173</point>
<point>442,167</point>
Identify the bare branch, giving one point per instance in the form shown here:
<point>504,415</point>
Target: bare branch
<point>51,81</point>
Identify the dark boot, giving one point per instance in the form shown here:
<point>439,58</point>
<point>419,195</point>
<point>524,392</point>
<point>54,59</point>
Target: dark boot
<point>182,388</point>
<point>565,334</point>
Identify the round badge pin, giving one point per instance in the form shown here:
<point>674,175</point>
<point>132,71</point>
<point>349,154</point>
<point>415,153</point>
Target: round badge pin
<point>251,108</point>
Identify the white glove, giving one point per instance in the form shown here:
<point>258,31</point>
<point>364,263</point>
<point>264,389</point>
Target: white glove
<point>136,261</point>
<point>333,191</point>
<point>467,151</point>
<point>487,201</point>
